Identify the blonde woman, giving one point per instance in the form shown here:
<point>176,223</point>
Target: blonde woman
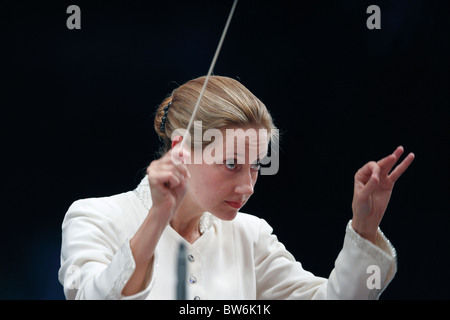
<point>125,246</point>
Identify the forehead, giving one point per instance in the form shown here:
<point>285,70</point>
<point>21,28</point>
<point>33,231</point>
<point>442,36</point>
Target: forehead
<point>250,135</point>
<point>245,144</point>
<point>248,142</point>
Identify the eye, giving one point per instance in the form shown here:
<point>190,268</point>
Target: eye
<point>256,166</point>
<point>230,164</point>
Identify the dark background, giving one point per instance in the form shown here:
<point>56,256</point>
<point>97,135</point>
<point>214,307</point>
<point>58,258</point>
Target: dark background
<point>77,119</point>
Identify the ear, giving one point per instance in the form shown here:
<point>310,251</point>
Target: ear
<point>176,141</point>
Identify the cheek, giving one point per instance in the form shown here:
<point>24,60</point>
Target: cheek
<point>207,184</point>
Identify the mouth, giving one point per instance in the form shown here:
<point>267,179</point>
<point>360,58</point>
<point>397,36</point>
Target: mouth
<point>235,204</point>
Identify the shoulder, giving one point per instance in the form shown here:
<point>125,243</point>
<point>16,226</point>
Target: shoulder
<point>114,212</point>
<point>107,207</point>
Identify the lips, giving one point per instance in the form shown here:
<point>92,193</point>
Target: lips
<point>235,204</point>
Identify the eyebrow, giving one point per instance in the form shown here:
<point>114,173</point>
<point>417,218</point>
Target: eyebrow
<point>257,160</point>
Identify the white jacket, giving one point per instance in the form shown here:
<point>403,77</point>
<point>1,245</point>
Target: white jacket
<point>239,259</point>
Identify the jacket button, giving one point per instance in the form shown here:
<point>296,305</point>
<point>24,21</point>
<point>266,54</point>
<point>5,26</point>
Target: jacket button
<point>192,279</point>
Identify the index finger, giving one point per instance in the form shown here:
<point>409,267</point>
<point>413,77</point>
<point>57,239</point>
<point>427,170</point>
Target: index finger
<point>180,155</point>
<point>387,163</point>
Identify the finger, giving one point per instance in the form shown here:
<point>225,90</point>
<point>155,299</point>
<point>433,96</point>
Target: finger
<point>168,179</point>
<point>398,152</point>
<point>171,181</point>
<point>364,174</point>
<point>180,170</point>
<point>372,183</point>
<point>165,164</point>
<point>398,171</point>
<point>386,164</point>
<point>180,155</point>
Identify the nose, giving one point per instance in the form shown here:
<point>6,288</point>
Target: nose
<point>245,183</point>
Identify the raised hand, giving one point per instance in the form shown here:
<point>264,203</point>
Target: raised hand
<point>169,180</point>
<point>168,185</point>
<point>373,188</point>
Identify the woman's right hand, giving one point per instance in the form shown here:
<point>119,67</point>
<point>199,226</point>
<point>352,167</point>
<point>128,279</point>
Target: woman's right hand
<point>169,181</point>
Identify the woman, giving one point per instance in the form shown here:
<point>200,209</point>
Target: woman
<point>125,246</point>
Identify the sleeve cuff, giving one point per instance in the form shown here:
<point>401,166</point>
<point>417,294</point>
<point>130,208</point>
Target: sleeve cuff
<point>382,252</point>
<point>382,247</point>
<point>124,265</point>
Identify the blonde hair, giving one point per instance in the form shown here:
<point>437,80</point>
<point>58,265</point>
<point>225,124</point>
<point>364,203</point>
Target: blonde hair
<point>225,103</point>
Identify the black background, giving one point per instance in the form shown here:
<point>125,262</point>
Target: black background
<point>77,119</point>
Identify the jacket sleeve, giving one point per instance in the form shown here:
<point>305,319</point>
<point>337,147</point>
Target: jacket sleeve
<point>95,262</point>
<point>362,270</point>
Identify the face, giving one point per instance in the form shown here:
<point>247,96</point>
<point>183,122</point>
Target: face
<point>224,185</point>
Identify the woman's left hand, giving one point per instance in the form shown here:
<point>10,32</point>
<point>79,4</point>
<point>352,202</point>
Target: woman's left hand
<point>373,189</point>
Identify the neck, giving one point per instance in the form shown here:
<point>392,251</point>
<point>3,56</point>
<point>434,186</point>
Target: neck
<point>186,221</point>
